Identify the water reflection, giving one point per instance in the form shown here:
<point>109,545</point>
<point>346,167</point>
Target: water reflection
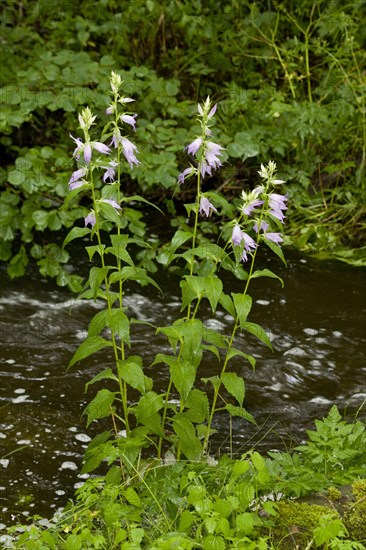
<point>316,325</point>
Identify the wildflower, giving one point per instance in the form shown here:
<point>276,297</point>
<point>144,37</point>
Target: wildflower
<point>273,237</point>
<point>90,219</point>
<point>185,173</point>
<point>129,119</point>
<point>75,184</point>
<point>128,151</point>
<point>109,110</point>
<point>206,206</point>
<point>193,147</point>
<point>113,203</point>
<point>263,227</point>
<point>78,174</point>
<point>213,149</point>
<point>116,138</point>
<point>276,205</point>
<point>87,148</point>
<point>110,171</point>
<point>238,236</point>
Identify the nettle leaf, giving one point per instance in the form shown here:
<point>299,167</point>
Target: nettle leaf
<point>118,248</point>
<point>179,238</point>
<point>213,286</point>
<point>96,277</point>
<point>243,304</point>
<point>197,405</point>
<point>215,381</point>
<point>276,249</point>
<point>266,273</point>
<point>189,443</point>
<point>76,233</point>
<point>88,347</point>
<point>183,376</point>
<point>133,274</point>
<point>98,322</point>
<point>106,374</point>
<point>173,336</point>
<point>119,323</point>
<point>147,409</point>
<point>213,337</point>
<point>234,384</point>
<point>259,332</point>
<point>91,250</point>
<point>132,497</point>
<point>234,352</point>
<point>227,304</point>
<point>192,287</point>
<point>192,332</point>
<point>100,406</point>
<point>130,370</point>
<point>239,411</point>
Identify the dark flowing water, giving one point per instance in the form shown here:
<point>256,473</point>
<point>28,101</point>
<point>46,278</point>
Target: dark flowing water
<point>317,327</point>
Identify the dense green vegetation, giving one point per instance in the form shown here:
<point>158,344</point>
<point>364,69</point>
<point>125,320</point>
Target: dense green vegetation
<point>273,80</point>
<point>245,503</point>
<point>287,75</point>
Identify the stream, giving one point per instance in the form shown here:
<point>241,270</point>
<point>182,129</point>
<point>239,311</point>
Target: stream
<point>316,323</point>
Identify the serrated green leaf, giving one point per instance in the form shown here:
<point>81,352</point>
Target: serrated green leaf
<point>88,347</point>
<point>266,273</point>
<point>106,374</point>
<point>96,276</point>
<point>76,233</point>
<point>213,290</point>
<point>243,304</point>
<point>259,332</point>
<point>118,322</point>
<point>189,443</point>
<point>234,384</point>
<point>239,411</point>
<point>100,406</point>
<point>130,370</point>
<point>227,304</point>
<point>132,497</point>
<point>234,352</point>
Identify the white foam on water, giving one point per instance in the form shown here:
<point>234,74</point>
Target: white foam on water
<point>84,438</point>
<point>311,331</point>
<point>68,465</point>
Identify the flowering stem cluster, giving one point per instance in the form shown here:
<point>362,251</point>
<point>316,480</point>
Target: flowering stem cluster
<point>155,419</point>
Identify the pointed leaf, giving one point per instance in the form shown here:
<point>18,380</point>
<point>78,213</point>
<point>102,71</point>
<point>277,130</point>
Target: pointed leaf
<point>96,276</point>
<point>130,370</point>
<point>243,304</point>
<point>234,384</point>
<point>88,347</point>
<point>178,239</point>
<point>237,352</point>
<point>98,323</point>
<point>239,411</point>
<point>227,304</point>
<point>76,233</point>
<point>213,290</point>
<point>276,249</point>
<point>189,443</point>
<point>119,323</point>
<point>266,273</point>
<point>259,332</point>
<point>106,374</point>
<point>100,406</point>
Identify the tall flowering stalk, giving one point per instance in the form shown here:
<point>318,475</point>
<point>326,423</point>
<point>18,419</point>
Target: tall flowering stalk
<point>261,213</point>
<point>99,174</point>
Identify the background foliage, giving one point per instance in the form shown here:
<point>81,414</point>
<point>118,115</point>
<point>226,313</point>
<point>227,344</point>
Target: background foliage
<point>288,77</point>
